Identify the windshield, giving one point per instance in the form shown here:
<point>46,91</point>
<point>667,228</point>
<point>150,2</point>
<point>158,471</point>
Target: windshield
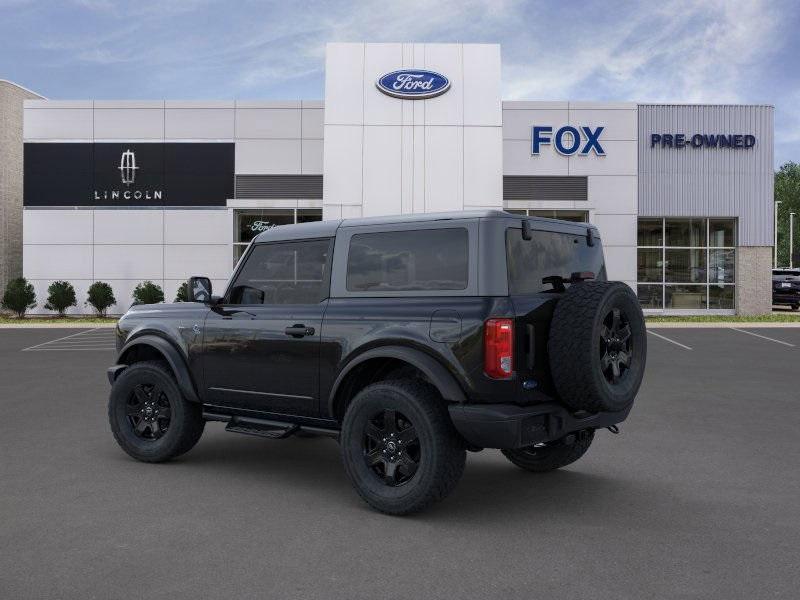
<point>549,254</point>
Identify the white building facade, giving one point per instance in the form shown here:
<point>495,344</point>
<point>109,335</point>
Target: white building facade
<point>124,192</point>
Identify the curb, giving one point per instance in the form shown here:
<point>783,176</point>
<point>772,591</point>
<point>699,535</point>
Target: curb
<point>725,325</point>
<point>57,325</point>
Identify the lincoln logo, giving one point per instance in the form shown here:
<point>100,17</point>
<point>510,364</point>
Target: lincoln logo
<point>127,167</point>
<point>127,174</point>
<point>413,84</point>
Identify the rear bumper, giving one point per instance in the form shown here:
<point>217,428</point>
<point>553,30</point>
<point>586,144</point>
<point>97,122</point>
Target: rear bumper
<point>785,298</point>
<point>509,426</point>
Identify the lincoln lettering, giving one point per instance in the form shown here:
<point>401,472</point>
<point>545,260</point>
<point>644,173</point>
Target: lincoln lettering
<point>127,195</point>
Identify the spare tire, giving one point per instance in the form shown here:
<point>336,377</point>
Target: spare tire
<point>597,346</point>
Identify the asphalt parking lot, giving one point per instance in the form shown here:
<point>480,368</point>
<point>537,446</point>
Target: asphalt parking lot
<point>697,498</point>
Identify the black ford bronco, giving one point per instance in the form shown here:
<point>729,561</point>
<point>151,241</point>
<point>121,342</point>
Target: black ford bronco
<point>409,339</point>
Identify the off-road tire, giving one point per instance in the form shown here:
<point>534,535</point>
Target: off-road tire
<point>575,344</point>
<point>551,456</point>
<point>186,422</point>
<point>442,453</point>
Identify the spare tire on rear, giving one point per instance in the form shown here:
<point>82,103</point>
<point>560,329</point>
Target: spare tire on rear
<point>597,346</point>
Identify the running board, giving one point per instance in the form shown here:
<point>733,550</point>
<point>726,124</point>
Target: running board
<point>265,427</point>
<point>276,432</point>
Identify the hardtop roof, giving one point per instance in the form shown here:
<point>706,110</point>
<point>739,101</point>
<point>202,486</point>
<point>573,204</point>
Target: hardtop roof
<point>320,229</point>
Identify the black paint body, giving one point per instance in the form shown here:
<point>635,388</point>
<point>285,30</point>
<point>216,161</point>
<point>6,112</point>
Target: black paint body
<point>246,360</point>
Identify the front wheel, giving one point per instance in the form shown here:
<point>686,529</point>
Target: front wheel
<point>399,448</point>
<point>554,455</point>
<point>149,417</point>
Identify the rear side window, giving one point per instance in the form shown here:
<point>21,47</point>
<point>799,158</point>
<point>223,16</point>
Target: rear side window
<point>400,261</point>
<point>548,254</point>
<point>283,273</point>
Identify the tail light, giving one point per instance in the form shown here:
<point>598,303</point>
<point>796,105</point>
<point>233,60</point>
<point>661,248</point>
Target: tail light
<point>498,348</point>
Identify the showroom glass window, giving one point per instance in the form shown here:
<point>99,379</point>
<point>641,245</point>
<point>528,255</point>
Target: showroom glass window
<point>686,264</point>
<point>578,216</point>
<point>249,223</point>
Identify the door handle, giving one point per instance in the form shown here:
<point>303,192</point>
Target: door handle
<point>298,330</point>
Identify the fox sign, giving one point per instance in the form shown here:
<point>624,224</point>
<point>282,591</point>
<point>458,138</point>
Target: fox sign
<point>568,140</point>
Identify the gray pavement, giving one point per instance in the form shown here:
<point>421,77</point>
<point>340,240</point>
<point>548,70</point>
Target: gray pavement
<point>697,498</point>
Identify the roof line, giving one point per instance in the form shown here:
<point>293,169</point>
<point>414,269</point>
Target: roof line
<point>22,87</point>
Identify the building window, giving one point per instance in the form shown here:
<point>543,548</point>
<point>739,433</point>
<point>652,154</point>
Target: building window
<point>687,264</point>
<point>249,223</point>
<point>579,216</point>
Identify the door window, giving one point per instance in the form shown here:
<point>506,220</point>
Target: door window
<point>284,273</point>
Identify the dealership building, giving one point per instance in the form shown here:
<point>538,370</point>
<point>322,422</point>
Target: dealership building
<point>127,191</point>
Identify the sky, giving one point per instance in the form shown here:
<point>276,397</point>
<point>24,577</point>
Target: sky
<point>713,51</point>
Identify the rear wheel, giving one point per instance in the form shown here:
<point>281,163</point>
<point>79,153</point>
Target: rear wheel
<point>149,417</point>
<point>399,448</point>
<point>553,455</point>
<point>795,306</point>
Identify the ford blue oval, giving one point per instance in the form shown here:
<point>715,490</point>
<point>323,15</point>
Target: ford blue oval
<point>413,84</point>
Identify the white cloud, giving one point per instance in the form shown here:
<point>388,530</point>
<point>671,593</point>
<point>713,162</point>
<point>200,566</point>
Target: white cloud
<point>679,50</point>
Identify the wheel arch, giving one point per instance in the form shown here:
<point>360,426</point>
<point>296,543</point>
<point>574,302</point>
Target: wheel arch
<point>149,347</point>
<point>384,359</point>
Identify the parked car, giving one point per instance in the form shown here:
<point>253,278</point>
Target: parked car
<point>786,288</point>
<point>409,339</point>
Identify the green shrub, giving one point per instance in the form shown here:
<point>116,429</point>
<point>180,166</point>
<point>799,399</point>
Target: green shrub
<point>183,293</point>
<point>60,296</point>
<point>19,296</point>
<point>101,297</point>
<point>148,292</point>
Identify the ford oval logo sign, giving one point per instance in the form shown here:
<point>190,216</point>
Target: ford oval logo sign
<point>413,84</point>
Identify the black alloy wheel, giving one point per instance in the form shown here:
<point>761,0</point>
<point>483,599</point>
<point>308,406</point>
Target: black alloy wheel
<point>399,447</point>
<point>150,418</point>
<point>148,411</point>
<point>615,346</point>
<point>391,447</point>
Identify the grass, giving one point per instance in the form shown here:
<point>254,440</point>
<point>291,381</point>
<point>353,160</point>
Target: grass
<point>768,318</point>
<point>55,321</point>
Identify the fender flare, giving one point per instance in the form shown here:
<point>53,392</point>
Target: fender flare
<point>438,375</point>
<point>173,357</point>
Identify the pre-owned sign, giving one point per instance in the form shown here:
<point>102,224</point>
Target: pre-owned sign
<point>128,174</point>
<point>702,140</point>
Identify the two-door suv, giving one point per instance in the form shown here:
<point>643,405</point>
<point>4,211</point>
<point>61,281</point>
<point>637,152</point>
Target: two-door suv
<point>410,339</point>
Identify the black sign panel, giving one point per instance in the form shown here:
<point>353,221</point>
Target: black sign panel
<point>128,174</point>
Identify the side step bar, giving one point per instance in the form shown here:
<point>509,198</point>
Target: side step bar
<point>264,427</point>
<point>269,431</point>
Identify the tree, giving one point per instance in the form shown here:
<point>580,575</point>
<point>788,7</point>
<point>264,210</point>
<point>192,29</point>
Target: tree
<point>787,191</point>
<point>183,293</point>
<point>148,292</point>
<point>19,296</point>
<point>60,296</point>
<point>101,297</point>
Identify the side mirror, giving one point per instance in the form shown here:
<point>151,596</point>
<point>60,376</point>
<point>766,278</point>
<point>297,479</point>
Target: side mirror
<point>199,290</point>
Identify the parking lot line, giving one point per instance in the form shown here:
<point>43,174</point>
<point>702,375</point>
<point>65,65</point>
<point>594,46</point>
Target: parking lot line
<point>763,337</point>
<point>666,339</point>
<point>58,340</point>
<point>91,339</point>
